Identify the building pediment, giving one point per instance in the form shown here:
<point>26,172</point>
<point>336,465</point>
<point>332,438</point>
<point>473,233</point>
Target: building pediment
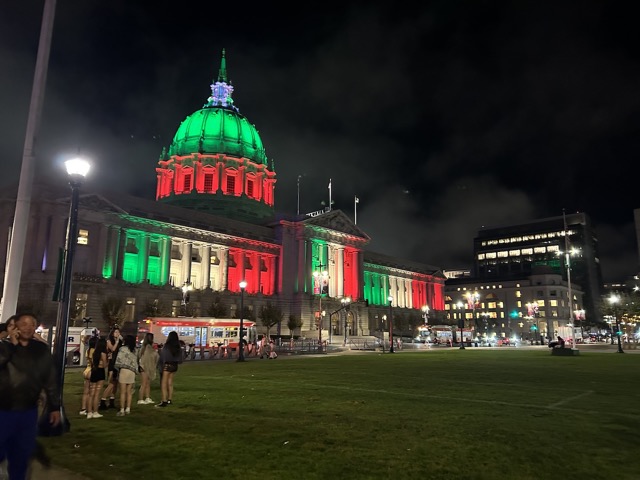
<point>98,203</point>
<point>336,221</point>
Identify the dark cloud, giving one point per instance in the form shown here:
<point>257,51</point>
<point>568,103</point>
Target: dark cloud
<point>485,113</point>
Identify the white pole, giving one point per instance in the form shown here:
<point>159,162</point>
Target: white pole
<point>568,259</point>
<point>329,194</point>
<point>355,210</point>
<point>299,194</point>
<point>13,270</point>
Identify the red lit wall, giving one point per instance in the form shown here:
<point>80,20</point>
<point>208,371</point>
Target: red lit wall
<point>351,273</point>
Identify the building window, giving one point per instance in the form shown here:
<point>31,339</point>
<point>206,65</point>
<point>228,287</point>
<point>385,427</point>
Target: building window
<point>231,184</point>
<point>187,183</point>
<point>553,303</point>
<point>80,306</point>
<point>553,293</point>
<point>491,255</point>
<point>83,237</point>
<point>518,294</point>
<point>129,309</point>
<point>481,256</point>
<point>208,182</point>
<point>527,251</point>
<point>514,253</point>
<point>503,254</point>
<point>250,188</point>
<point>540,249</point>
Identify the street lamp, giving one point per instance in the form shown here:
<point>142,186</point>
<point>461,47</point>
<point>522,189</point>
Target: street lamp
<point>77,169</point>
<point>321,280</point>
<point>425,314</point>
<point>461,324</point>
<point>614,300</point>
<point>243,285</point>
<point>346,304</point>
<point>472,299</point>
<point>186,288</point>
<point>391,349</point>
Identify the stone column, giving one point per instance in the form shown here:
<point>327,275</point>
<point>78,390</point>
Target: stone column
<point>143,257</point>
<point>165,261</point>
<point>205,265</point>
<point>340,271</point>
<point>120,252</point>
<point>186,263</point>
<point>224,268</point>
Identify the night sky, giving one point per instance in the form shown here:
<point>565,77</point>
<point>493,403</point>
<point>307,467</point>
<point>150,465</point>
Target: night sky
<point>441,118</point>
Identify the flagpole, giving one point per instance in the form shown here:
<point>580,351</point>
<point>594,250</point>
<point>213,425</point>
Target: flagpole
<point>329,194</point>
<point>299,194</point>
<point>356,200</point>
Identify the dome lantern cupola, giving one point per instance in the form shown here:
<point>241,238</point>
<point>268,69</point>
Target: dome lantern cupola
<point>216,161</point>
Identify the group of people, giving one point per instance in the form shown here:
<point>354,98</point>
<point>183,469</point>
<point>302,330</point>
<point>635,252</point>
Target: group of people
<point>116,362</point>
<point>27,371</point>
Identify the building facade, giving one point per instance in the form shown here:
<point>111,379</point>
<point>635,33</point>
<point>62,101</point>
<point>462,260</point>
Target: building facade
<point>535,304</point>
<point>212,225</point>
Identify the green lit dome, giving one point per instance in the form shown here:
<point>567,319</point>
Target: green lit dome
<point>217,129</point>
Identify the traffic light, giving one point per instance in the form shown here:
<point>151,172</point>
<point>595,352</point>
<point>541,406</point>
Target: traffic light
<point>514,314</point>
<point>534,328</point>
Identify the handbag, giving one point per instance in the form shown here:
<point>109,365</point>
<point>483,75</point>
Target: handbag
<point>87,373</point>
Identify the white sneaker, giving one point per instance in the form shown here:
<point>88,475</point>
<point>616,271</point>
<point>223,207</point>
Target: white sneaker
<point>97,415</point>
<point>142,402</point>
<point>127,411</point>
<point>83,412</point>
<point>148,400</point>
<point>120,413</point>
<point>89,415</point>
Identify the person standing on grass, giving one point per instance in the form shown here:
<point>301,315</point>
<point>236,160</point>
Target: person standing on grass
<point>148,359</point>
<point>98,364</point>
<point>170,357</point>
<point>26,369</point>
<point>87,381</point>
<point>113,345</point>
<point>127,365</point>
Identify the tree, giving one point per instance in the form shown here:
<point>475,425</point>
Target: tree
<point>156,308</point>
<point>113,311</point>
<point>247,314</point>
<point>270,316</point>
<point>293,324</point>
<point>217,309</point>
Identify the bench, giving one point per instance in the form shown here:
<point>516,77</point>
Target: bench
<point>564,352</point>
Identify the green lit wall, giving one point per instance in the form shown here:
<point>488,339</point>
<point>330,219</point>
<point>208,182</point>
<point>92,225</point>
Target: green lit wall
<point>376,288</point>
<point>143,254</point>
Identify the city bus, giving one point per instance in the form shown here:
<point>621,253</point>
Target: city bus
<point>199,332</point>
<point>437,334</point>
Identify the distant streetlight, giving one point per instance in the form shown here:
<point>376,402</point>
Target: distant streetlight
<point>391,349</point>
<point>77,169</point>
<point>242,285</point>
<point>461,323</point>
<point>186,288</point>
<point>614,300</point>
<point>425,314</point>
<point>321,279</point>
<point>346,305</point>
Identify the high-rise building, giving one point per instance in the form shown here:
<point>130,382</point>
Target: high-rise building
<point>515,251</point>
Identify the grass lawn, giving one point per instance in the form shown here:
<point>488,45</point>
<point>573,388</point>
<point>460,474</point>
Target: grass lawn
<point>445,414</point>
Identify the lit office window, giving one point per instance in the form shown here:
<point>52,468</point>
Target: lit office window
<point>83,237</point>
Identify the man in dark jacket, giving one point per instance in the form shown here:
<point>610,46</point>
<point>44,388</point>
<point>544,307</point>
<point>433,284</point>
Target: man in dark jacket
<point>26,368</point>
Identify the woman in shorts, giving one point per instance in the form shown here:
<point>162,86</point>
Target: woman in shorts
<point>170,358</point>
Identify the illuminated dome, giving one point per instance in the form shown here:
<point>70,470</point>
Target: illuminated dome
<point>216,129</point>
<point>217,163</point>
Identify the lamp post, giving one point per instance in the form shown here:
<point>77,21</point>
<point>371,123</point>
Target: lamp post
<point>425,315</point>
<point>346,304</point>
<point>461,324</point>
<point>77,169</point>
<point>391,349</point>
<point>321,279</point>
<point>614,300</point>
<point>472,299</point>
<point>243,285</point>
<point>384,319</point>
<point>186,288</point>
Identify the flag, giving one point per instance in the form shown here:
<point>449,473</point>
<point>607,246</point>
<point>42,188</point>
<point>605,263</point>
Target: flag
<point>357,200</point>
